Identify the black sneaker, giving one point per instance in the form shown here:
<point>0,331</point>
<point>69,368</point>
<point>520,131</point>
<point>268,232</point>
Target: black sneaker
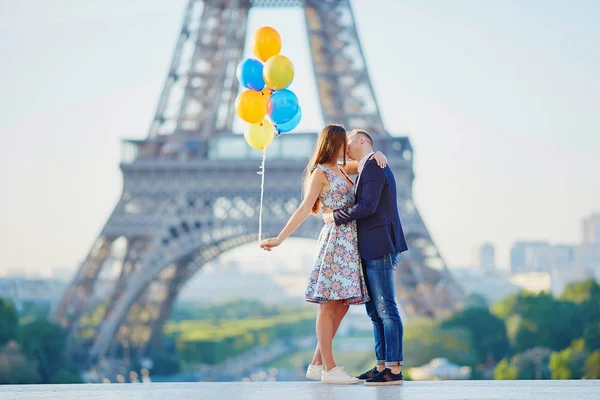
<point>385,378</point>
<point>368,375</point>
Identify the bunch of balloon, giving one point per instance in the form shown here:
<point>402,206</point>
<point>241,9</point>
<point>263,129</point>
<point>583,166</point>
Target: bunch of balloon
<point>267,105</point>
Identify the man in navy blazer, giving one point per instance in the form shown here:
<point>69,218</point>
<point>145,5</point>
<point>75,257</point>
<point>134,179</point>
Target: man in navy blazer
<point>380,241</point>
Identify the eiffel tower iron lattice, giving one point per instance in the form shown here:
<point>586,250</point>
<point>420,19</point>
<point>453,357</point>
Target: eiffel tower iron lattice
<point>191,193</point>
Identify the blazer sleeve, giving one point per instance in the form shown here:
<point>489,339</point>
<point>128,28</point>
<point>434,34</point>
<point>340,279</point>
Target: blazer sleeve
<point>372,181</point>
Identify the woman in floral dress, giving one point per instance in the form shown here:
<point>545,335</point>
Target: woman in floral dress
<point>337,278</point>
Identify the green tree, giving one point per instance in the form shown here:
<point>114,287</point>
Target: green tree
<point>9,321</point>
<point>234,309</point>
<point>65,375</point>
<point>44,342</point>
<point>591,335</point>
<point>582,292</point>
<point>488,332</point>
<point>506,307</point>
<point>586,295</point>
<point>524,333</point>
<point>17,370</point>
<point>559,365</point>
<point>425,340</point>
<point>569,325</point>
<point>505,371</point>
<point>532,364</point>
<point>34,310</point>
<point>570,362</point>
<point>592,366</point>
<point>475,300</point>
<point>540,320</point>
<point>165,364</point>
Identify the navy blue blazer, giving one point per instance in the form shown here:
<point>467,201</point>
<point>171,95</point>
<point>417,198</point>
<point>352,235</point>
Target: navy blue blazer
<point>376,213</point>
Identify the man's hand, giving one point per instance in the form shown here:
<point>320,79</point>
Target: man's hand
<point>328,217</point>
<point>268,244</point>
<point>380,159</point>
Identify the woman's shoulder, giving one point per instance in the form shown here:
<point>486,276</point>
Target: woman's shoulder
<point>320,171</point>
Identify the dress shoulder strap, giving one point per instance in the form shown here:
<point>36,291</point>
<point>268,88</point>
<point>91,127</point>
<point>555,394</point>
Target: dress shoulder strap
<point>327,170</point>
<point>330,174</point>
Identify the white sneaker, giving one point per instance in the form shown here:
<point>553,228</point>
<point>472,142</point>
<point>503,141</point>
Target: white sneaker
<point>337,376</point>
<point>313,372</point>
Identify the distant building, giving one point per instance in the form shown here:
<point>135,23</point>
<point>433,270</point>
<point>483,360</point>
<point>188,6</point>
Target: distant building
<point>588,255</point>
<point>487,257</point>
<point>587,261</point>
<point>535,282</point>
<point>563,263</point>
<point>591,230</point>
<point>528,257</point>
<point>20,290</point>
<point>491,286</point>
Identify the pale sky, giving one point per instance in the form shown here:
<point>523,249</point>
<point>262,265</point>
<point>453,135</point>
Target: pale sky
<point>500,100</point>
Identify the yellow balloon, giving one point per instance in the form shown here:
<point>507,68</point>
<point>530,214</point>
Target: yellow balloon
<point>251,106</point>
<point>278,72</point>
<point>266,44</point>
<point>259,136</point>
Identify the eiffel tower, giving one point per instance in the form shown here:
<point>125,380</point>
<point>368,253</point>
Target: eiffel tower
<point>191,192</point>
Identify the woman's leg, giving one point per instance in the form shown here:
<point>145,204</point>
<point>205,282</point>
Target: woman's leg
<point>325,332</point>
<point>339,313</point>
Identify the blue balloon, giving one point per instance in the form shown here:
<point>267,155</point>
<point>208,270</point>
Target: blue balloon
<point>283,106</point>
<point>291,124</point>
<point>250,74</point>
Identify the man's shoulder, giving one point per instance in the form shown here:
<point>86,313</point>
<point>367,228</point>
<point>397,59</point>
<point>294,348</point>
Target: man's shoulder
<point>371,163</point>
<point>372,168</point>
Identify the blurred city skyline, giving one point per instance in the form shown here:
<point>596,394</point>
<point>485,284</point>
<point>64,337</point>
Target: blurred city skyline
<point>498,99</point>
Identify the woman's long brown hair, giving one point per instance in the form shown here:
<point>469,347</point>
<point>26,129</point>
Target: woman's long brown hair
<point>331,139</point>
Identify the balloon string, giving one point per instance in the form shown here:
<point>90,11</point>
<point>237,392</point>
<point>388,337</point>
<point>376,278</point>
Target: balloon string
<point>262,194</point>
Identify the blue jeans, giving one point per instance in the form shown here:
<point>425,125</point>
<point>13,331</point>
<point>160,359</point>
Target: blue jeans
<point>382,309</point>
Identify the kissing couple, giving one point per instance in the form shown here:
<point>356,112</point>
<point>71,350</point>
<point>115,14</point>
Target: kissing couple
<point>357,251</point>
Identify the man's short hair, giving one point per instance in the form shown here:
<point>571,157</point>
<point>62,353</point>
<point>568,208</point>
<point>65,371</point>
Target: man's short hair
<point>363,133</point>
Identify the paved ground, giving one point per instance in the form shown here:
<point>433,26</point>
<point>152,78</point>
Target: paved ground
<point>526,390</point>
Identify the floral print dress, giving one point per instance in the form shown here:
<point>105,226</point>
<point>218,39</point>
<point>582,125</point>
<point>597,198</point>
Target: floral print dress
<point>337,272</point>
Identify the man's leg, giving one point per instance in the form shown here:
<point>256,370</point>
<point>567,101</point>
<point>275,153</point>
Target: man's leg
<point>381,275</point>
<point>378,332</point>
